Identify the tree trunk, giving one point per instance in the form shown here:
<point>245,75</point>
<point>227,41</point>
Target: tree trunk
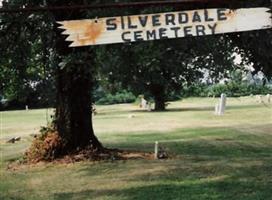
<point>74,76</point>
<point>159,104</point>
<point>158,93</point>
<point>74,112</point>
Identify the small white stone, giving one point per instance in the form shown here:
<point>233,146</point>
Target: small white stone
<point>131,116</point>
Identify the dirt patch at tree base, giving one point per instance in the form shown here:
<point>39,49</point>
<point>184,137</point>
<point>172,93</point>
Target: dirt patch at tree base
<point>105,155</point>
<point>86,155</point>
<point>50,148</point>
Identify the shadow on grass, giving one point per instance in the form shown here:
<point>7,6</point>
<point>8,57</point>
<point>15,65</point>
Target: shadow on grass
<point>238,178</point>
<point>10,197</point>
<point>219,164</point>
<point>208,142</point>
<point>225,189</point>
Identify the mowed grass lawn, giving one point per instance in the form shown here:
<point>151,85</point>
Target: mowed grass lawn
<point>214,157</point>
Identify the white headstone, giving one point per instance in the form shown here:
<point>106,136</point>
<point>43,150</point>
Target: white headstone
<point>149,107</point>
<point>268,97</point>
<point>156,150</point>
<point>259,98</point>
<point>216,110</point>
<point>26,107</point>
<point>143,103</point>
<point>222,104</point>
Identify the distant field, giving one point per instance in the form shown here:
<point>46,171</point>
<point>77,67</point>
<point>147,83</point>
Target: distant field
<point>214,157</point>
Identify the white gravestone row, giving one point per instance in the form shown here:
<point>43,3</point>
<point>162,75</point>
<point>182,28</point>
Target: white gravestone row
<point>221,107</point>
<point>262,99</point>
<point>259,99</point>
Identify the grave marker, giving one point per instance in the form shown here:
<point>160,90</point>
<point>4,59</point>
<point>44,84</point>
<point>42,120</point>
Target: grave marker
<point>156,150</point>
<point>143,103</point>
<point>259,99</point>
<point>222,105</point>
<point>268,97</point>
<point>216,109</point>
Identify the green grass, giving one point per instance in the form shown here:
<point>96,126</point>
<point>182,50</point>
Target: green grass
<point>226,157</point>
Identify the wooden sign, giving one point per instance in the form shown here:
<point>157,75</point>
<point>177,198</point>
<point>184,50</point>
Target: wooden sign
<point>164,25</point>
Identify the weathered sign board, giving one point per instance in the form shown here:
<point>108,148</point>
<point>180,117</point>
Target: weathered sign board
<point>164,25</point>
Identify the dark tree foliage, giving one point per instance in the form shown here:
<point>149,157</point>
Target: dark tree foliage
<point>31,42</point>
<point>26,58</point>
<point>255,47</point>
<point>159,68</point>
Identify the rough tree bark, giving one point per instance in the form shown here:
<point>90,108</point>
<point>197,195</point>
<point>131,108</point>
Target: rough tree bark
<point>74,85</point>
<point>74,112</point>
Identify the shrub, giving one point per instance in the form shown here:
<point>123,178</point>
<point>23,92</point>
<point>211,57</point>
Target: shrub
<point>231,89</point>
<point>197,90</point>
<point>120,97</point>
<point>45,147</point>
<point>237,90</point>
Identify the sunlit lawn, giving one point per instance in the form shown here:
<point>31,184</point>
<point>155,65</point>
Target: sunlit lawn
<point>213,157</point>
